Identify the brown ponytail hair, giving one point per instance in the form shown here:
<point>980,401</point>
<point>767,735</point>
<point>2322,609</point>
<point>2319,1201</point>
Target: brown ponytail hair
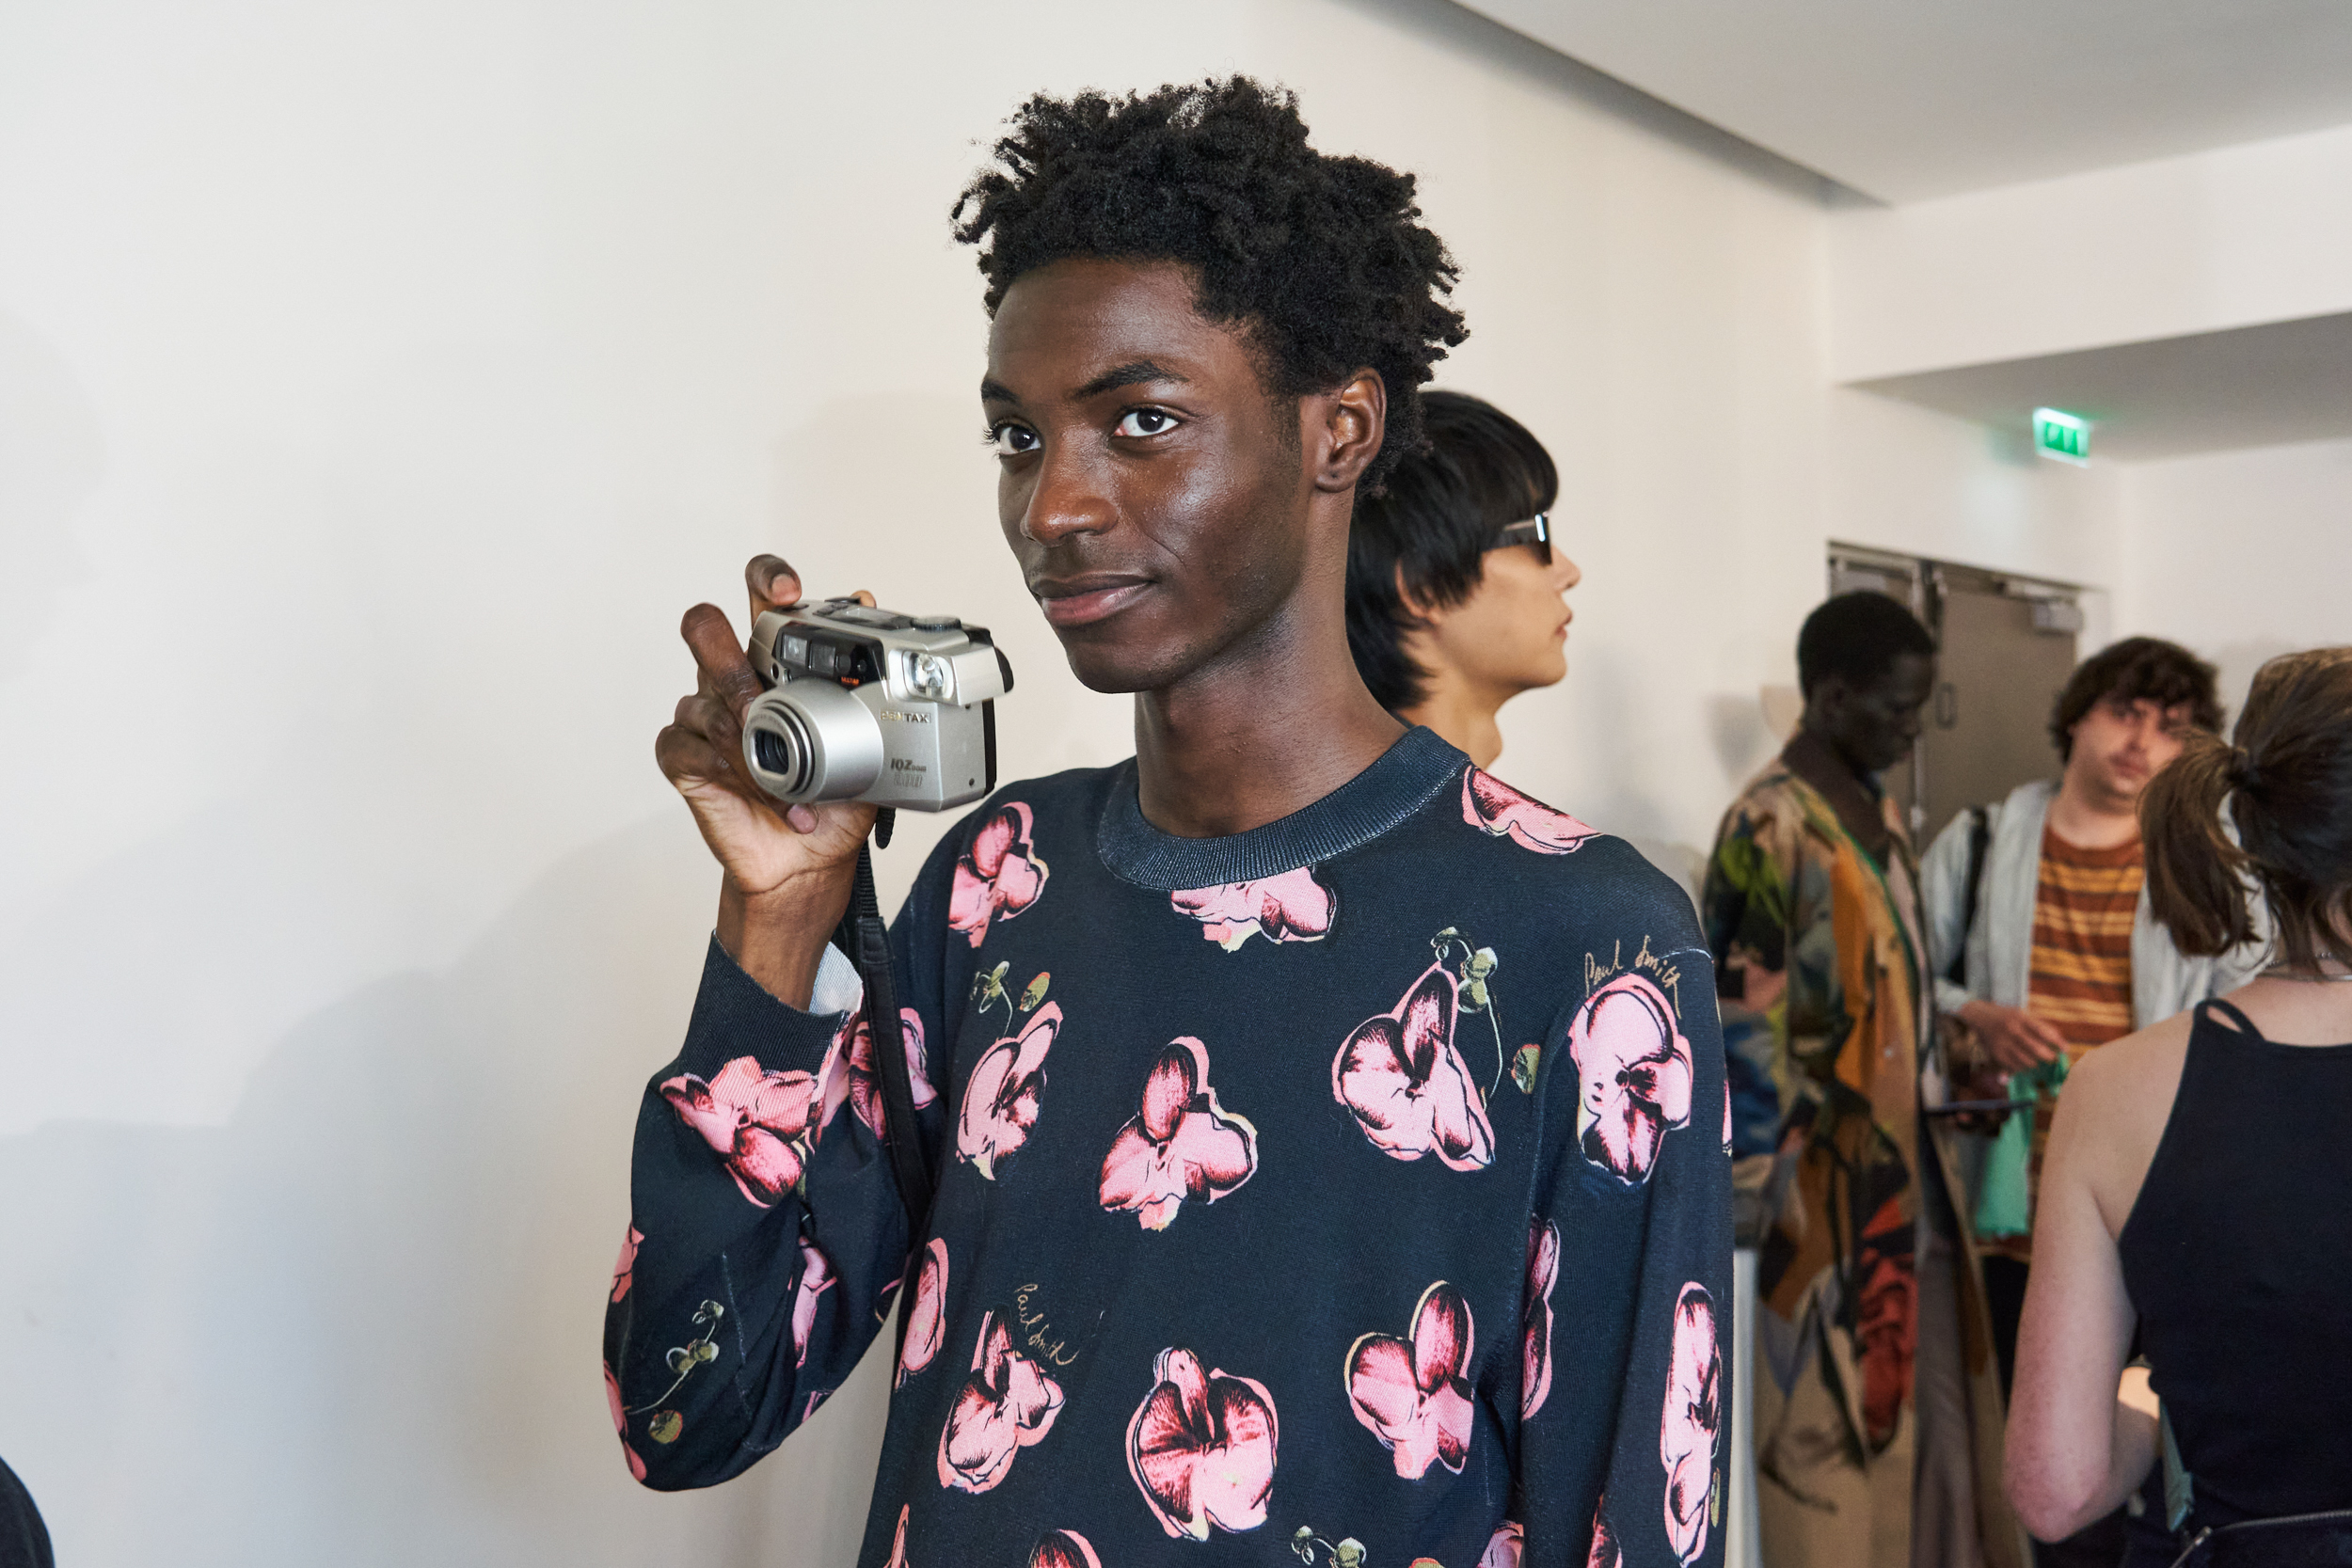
<point>2288,785</point>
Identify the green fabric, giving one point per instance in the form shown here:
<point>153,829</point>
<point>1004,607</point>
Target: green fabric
<point>2003,1202</point>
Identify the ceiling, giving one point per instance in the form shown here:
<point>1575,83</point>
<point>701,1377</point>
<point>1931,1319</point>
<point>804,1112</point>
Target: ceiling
<point>1906,100</point>
<point>2208,392</point>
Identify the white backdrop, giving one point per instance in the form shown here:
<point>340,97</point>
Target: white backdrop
<point>378,383</point>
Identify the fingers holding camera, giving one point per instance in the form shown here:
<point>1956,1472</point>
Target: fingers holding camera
<point>774,584</point>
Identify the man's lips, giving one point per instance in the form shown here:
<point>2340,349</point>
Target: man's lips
<point>1083,600</point>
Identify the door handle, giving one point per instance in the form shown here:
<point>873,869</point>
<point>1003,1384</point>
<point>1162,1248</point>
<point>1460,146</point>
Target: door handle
<point>1947,705</point>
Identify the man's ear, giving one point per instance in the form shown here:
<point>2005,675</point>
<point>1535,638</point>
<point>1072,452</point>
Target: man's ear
<point>1345,428</point>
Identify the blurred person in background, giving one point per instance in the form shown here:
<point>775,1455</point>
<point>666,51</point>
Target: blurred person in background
<point>1456,583</point>
<point>1868,1431</point>
<point>2044,941</point>
<point>2196,1187</point>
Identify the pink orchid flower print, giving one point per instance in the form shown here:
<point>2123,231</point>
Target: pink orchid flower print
<point>899,1542</point>
<point>761,1123</point>
<point>1409,1089</point>
<point>1201,1448</point>
<point>926,1314</point>
<point>1293,907</point>
<point>1007,1404</point>
<point>620,1423</point>
<point>1605,1552</point>
<point>1063,1548</point>
<point>1693,1422</point>
<point>998,877</point>
<point>1000,1098</point>
<point>623,1270</point>
<point>1413,1394</point>
<point>1499,811</point>
<point>1543,1272</point>
<point>1633,1067</point>
<point>817,1278</point>
<point>1182,1144</point>
<point>850,1073</point>
<point>1507,1545</point>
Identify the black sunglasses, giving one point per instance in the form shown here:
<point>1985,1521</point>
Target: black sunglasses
<point>1535,531</point>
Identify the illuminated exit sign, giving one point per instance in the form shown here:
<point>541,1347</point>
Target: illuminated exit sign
<point>2062,435</point>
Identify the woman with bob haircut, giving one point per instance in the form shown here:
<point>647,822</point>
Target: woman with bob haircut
<point>2197,1186</point>
<point>1455,578</point>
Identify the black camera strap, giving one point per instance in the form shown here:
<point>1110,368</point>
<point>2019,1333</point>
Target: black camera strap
<point>867,943</point>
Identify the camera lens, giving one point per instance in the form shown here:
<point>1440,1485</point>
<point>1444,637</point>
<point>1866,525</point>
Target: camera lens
<point>774,755</point>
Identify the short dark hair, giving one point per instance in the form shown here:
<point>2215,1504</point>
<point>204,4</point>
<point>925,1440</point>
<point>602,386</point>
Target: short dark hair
<point>2136,668</point>
<point>1443,508</point>
<point>1324,260</point>
<point>1857,635</point>
<point>2285,783</point>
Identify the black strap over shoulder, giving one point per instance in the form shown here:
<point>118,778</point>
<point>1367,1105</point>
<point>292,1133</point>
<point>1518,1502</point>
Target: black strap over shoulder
<point>2229,1010</point>
<point>1980,840</point>
<point>866,941</point>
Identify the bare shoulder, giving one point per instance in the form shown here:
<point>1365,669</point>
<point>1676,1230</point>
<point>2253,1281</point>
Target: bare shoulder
<point>2113,1111</point>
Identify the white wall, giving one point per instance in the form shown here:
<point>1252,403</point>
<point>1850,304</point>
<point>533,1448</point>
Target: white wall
<point>2241,555</point>
<point>2233,237</point>
<point>379,382</point>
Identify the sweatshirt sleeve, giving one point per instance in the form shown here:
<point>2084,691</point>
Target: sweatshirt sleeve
<point>1624,1442</point>
<point>766,1243</point>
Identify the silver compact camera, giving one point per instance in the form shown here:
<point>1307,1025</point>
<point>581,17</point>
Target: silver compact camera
<point>870,705</point>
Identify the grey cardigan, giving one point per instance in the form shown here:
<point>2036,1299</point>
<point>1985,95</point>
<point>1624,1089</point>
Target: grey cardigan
<point>1999,958</point>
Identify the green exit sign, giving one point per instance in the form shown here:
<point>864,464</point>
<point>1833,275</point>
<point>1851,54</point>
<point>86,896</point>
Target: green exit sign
<point>2062,435</point>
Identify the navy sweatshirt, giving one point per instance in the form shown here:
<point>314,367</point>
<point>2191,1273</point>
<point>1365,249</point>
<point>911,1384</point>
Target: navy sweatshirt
<point>1355,1190</point>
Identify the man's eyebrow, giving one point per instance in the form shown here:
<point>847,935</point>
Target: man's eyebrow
<point>1132,373</point>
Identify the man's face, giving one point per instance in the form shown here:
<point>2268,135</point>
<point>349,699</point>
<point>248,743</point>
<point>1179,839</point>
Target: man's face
<point>1873,726</point>
<point>2120,745</point>
<point>1153,492</point>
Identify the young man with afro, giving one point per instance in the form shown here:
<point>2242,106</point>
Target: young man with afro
<point>1331,1147</point>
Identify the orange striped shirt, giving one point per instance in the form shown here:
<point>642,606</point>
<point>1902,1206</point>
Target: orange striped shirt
<point>2083,909</point>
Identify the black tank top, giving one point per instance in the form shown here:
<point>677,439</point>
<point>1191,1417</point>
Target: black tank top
<point>2238,1255</point>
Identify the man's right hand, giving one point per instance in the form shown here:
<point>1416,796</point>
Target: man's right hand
<point>788,871</point>
<point>2013,1038</point>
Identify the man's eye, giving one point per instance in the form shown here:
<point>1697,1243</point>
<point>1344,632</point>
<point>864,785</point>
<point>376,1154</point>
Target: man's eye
<point>1007,439</point>
<point>1145,422</point>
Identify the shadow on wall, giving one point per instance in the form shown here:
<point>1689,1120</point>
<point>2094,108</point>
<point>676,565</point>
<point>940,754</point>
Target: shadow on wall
<point>52,456</point>
<point>363,1321</point>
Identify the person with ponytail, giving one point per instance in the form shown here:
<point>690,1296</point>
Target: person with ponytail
<point>2196,1188</point>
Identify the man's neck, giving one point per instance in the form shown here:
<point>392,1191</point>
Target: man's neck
<point>1461,715</point>
<point>2090,818</point>
<point>1259,733</point>
<point>1851,791</point>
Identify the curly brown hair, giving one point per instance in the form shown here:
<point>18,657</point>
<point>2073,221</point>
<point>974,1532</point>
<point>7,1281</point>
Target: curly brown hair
<point>1323,259</point>
<point>2136,669</point>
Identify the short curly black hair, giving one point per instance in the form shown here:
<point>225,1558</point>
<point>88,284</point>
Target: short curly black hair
<point>1323,259</point>
<point>1858,636</point>
<point>2163,673</point>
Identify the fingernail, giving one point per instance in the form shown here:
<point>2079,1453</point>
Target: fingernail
<point>803,819</point>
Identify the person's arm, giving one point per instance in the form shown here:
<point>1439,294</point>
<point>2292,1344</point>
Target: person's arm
<point>765,1232</point>
<point>2075,1450</point>
<point>1746,906</point>
<point>767,1235</point>
<point>1631,1436</point>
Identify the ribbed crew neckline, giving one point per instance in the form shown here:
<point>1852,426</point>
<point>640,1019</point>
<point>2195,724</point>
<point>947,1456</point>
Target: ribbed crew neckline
<point>1399,783</point>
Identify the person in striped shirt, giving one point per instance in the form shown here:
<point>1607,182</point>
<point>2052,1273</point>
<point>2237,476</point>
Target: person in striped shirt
<point>2054,952</point>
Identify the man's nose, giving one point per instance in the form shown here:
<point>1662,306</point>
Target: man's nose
<point>1068,498</point>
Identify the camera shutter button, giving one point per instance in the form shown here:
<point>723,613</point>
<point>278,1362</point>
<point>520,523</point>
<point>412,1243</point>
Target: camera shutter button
<point>937,623</point>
